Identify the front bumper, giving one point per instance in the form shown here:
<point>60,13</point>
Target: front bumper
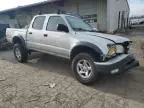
<point>119,64</point>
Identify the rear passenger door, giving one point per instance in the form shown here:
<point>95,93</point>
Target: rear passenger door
<point>35,33</point>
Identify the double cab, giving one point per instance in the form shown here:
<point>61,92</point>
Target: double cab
<point>90,52</point>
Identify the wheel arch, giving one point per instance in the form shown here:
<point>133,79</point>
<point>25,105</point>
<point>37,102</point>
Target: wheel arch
<point>88,48</point>
<point>19,39</point>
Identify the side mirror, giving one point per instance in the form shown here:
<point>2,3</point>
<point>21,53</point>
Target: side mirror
<point>62,27</point>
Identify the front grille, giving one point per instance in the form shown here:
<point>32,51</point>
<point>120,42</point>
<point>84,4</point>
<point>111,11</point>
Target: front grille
<point>125,46</point>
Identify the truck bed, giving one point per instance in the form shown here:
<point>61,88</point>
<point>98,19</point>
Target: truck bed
<point>11,32</point>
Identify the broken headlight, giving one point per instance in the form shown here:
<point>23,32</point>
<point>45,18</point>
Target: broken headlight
<point>112,50</point>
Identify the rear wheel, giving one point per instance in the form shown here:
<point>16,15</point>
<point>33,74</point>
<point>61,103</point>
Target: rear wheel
<point>20,53</point>
<point>84,68</point>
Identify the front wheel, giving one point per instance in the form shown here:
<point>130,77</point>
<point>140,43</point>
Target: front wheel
<point>20,53</point>
<point>84,68</point>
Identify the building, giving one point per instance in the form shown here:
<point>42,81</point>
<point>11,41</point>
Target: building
<point>105,15</point>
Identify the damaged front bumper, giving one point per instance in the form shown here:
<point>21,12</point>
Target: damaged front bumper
<point>119,64</point>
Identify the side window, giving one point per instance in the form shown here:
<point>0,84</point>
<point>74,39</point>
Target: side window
<point>38,22</point>
<point>53,22</point>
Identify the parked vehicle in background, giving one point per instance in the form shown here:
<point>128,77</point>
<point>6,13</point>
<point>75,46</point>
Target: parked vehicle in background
<point>67,36</point>
<point>4,44</point>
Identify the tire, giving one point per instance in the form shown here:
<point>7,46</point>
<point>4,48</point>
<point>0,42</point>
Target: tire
<point>20,53</point>
<point>91,74</point>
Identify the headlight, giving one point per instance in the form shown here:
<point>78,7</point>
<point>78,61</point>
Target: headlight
<point>112,50</point>
<point>120,49</point>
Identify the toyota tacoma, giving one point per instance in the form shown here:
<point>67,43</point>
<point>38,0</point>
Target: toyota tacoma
<point>91,53</point>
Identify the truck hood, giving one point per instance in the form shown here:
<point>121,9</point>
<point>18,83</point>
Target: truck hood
<point>100,39</point>
<point>113,38</point>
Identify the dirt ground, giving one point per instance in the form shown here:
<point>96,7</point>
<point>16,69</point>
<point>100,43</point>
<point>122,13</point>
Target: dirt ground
<point>47,82</point>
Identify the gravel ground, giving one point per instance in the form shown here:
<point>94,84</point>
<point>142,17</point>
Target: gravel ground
<point>47,82</point>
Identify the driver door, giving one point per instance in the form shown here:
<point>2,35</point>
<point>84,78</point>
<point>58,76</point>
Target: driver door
<point>58,42</point>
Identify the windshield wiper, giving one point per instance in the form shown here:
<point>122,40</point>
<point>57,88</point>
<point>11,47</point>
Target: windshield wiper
<point>92,31</point>
<point>79,29</point>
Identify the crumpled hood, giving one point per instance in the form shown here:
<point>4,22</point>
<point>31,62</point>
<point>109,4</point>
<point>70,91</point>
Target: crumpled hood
<point>113,38</point>
<point>100,39</point>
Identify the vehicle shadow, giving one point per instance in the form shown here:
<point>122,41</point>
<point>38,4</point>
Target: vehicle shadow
<point>7,54</point>
<point>129,85</point>
<point>50,63</point>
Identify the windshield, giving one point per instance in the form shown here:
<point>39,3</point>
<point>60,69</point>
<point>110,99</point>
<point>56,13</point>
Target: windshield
<point>78,24</point>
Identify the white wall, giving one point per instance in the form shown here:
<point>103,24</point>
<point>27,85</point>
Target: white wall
<point>113,9</point>
<point>89,7</point>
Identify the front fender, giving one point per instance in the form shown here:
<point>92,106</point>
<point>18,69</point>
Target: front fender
<point>83,46</point>
<point>90,45</point>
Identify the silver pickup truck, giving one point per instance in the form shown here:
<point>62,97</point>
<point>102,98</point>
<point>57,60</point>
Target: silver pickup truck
<point>90,52</point>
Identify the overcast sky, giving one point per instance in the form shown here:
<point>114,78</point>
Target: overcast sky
<point>7,4</point>
<point>137,6</point>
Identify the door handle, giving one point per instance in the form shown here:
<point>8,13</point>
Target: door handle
<point>45,35</point>
<point>30,32</point>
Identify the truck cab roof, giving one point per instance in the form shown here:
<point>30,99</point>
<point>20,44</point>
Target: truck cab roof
<point>57,15</point>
